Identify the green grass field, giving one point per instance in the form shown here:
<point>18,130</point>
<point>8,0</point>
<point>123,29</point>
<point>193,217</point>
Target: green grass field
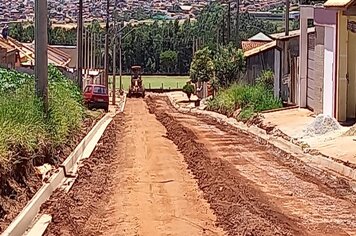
<point>154,81</point>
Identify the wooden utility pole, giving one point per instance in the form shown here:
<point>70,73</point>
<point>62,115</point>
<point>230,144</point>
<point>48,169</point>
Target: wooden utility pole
<point>41,57</point>
<point>106,58</point>
<point>286,18</point>
<point>80,44</point>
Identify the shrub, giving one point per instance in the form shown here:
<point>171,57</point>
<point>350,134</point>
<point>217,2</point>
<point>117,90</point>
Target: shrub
<point>266,79</point>
<point>189,90</point>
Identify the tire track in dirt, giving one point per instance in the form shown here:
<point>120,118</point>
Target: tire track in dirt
<point>135,183</point>
<point>268,185</point>
<point>240,209</point>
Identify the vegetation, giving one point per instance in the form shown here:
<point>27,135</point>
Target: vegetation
<point>247,99</point>
<point>168,60</point>
<point>146,43</point>
<point>24,130</point>
<point>202,68</point>
<point>56,35</point>
<point>266,79</point>
<point>188,89</point>
<point>229,65</point>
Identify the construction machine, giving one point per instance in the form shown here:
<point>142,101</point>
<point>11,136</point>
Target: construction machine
<point>136,87</point>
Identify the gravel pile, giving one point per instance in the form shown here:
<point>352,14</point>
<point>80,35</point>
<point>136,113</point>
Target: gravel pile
<point>322,124</point>
<point>351,131</point>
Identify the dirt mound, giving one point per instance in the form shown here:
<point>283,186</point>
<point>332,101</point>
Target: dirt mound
<point>19,185</point>
<point>240,209</point>
<point>71,211</point>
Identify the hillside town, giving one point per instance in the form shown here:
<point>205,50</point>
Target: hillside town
<point>65,11</point>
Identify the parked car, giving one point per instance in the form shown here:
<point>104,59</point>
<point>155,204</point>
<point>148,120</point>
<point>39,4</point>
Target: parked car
<point>96,97</point>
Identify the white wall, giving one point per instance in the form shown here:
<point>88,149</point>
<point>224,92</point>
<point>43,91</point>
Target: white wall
<point>329,72</point>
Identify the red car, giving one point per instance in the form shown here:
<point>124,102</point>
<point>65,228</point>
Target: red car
<point>96,96</point>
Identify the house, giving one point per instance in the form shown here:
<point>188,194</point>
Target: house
<point>327,75</point>
<point>9,55</point>
<point>255,41</point>
<point>71,51</point>
<point>27,54</point>
<point>280,55</point>
<point>289,46</point>
<point>264,57</point>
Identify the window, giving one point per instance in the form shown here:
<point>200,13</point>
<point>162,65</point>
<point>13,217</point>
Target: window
<point>99,90</point>
<point>88,89</point>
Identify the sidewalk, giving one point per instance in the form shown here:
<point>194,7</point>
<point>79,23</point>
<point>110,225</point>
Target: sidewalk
<point>334,145</point>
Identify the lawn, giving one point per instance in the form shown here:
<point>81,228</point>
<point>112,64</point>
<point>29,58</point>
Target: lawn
<point>154,81</point>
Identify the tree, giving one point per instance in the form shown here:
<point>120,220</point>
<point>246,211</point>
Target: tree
<point>229,64</point>
<point>168,60</point>
<point>202,67</point>
<point>145,45</point>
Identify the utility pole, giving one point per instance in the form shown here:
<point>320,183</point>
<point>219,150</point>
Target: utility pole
<point>114,59</point>
<point>106,58</point>
<point>229,22</point>
<point>80,44</point>
<point>286,18</point>
<point>237,27</point>
<point>41,57</point>
<point>193,47</point>
<point>223,30</point>
<point>88,51</point>
<point>92,56</point>
<point>100,56</point>
<point>85,50</point>
<point>120,60</point>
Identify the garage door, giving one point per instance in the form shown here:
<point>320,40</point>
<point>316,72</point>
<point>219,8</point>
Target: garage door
<point>311,72</point>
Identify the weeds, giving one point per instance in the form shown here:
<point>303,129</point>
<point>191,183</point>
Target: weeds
<point>22,122</point>
<point>250,99</point>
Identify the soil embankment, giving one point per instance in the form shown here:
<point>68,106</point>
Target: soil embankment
<point>19,186</point>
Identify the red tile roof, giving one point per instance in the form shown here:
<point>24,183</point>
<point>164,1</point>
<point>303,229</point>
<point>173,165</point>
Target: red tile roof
<point>248,45</point>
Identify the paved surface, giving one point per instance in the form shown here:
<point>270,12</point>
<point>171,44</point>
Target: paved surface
<point>168,173</point>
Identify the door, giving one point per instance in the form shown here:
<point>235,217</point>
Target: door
<point>311,72</point>
<point>293,82</point>
<point>351,74</point>
<point>329,72</point>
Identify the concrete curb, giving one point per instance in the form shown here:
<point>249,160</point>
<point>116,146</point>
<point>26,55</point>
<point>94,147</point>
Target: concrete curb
<point>281,143</point>
<point>25,218</point>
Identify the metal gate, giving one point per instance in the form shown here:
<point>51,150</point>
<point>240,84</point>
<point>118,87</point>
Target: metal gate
<point>311,72</point>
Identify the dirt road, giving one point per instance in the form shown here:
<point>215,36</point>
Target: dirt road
<point>151,191</point>
<point>168,173</point>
